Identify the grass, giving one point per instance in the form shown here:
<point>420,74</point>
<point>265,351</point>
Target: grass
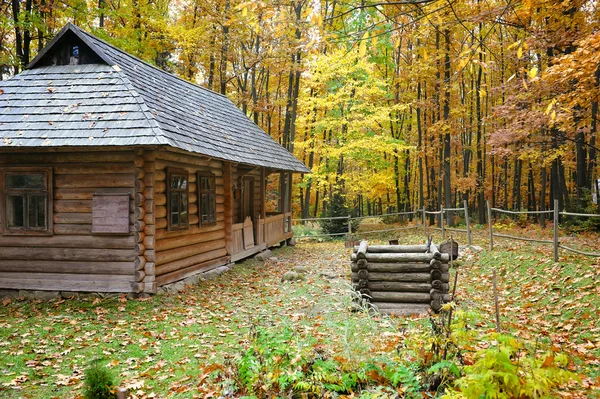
<point>171,345</point>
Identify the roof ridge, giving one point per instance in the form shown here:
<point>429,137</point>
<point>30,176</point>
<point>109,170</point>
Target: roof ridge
<point>149,64</point>
<point>154,125</point>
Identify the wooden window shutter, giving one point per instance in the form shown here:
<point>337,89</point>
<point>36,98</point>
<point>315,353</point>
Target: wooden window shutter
<point>110,213</point>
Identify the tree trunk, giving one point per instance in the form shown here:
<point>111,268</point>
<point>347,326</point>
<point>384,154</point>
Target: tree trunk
<point>447,171</point>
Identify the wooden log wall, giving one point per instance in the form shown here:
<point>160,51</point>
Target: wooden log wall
<point>145,242</point>
<point>402,280</point>
<point>183,253</point>
<point>72,258</point>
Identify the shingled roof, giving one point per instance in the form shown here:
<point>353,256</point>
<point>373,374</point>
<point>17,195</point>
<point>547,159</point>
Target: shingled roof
<point>124,101</point>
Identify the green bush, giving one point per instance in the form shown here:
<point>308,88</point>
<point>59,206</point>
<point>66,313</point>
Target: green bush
<point>99,382</point>
<point>280,362</point>
<point>507,369</point>
<point>337,208</point>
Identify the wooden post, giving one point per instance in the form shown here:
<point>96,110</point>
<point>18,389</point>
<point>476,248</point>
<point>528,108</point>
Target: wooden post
<point>555,238</point>
<point>442,222</point>
<point>122,393</point>
<point>467,222</point>
<point>228,203</point>
<point>489,212</point>
<point>424,221</point>
<point>289,201</point>
<point>496,300</point>
<point>416,221</point>
<point>349,226</point>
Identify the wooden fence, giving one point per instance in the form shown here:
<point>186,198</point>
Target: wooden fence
<point>555,242</point>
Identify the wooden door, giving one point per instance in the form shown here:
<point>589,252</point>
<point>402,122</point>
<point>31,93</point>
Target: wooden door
<point>248,199</point>
<point>248,212</point>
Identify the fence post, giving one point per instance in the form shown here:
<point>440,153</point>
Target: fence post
<point>424,221</point>
<point>442,222</point>
<point>416,221</point>
<point>489,212</point>
<point>555,238</point>
<point>349,226</point>
<point>469,239</point>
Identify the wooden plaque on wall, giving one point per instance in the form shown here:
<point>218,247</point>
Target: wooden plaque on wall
<point>110,213</point>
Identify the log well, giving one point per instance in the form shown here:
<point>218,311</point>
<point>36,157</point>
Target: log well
<point>401,279</point>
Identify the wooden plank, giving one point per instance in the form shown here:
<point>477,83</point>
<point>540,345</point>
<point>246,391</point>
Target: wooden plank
<point>67,254</point>
<point>197,160</point>
<point>162,233</point>
<point>66,241</point>
<point>48,157</point>
<point>181,241</point>
<point>187,262</point>
<point>402,257</point>
<point>78,229</point>
<point>82,206</point>
<point>401,286</point>
<point>247,253</point>
<point>402,277</point>
<point>73,229</point>
<point>396,248</point>
<point>402,309</point>
<point>400,267</point>
<point>272,219</point>
<point>93,168</point>
<point>110,213</point>
<point>248,233</point>
<point>72,218</point>
<point>400,297</point>
<point>97,181</point>
<point>43,284</point>
<point>44,266</point>
<point>190,271</point>
<point>88,193</point>
<point>227,201</point>
<point>69,276</point>
<point>171,255</point>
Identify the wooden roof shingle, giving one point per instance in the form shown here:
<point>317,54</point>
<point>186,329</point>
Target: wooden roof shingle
<point>128,102</point>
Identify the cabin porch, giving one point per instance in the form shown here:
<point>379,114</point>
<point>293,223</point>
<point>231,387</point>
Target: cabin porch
<point>260,225</point>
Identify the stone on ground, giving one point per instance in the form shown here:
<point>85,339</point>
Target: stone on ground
<point>264,255</point>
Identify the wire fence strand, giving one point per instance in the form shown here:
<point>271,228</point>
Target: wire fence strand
<point>422,212</point>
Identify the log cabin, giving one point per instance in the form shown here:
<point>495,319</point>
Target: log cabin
<point>116,176</point>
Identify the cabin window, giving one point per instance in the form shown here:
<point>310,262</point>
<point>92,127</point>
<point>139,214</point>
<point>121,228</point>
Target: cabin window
<point>27,201</point>
<point>206,198</point>
<point>177,204</point>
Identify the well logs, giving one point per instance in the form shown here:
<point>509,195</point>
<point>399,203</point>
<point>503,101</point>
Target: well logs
<point>401,279</point>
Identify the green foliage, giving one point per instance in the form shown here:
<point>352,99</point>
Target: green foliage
<point>507,369</point>
<point>99,382</point>
<point>580,224</point>
<point>282,361</point>
<point>337,208</point>
<point>279,361</point>
<point>307,229</point>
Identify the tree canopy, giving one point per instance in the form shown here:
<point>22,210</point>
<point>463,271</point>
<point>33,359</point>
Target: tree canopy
<point>395,104</point>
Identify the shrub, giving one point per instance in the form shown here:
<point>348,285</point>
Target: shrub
<point>99,382</point>
<point>283,362</point>
<point>507,369</point>
<point>337,208</point>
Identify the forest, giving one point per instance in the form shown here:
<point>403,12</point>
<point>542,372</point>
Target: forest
<point>395,105</point>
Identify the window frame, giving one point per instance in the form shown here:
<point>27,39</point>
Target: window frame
<point>209,192</point>
<point>171,172</point>
<point>47,192</point>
